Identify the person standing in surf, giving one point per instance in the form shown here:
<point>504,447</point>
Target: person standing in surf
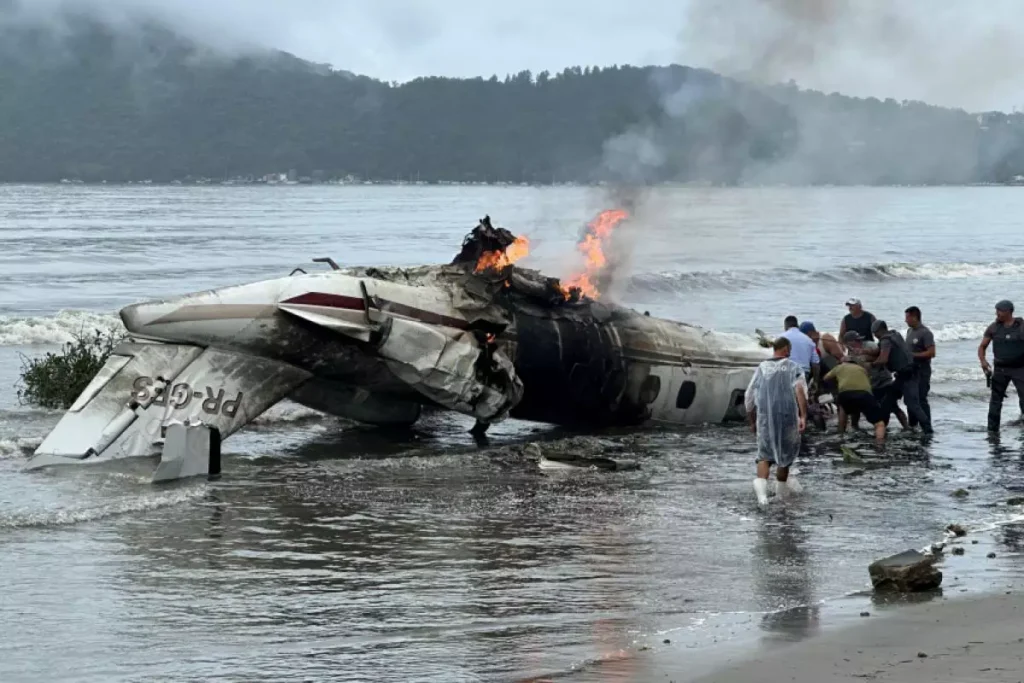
<point>895,356</point>
<point>857,320</point>
<point>776,404</point>
<point>922,346</point>
<point>1006,335</point>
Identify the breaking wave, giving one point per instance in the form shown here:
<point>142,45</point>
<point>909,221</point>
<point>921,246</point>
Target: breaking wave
<point>18,447</point>
<point>287,412</point>
<point>144,502</point>
<point>957,332</point>
<point>671,281</point>
<point>971,374</point>
<point>55,329</point>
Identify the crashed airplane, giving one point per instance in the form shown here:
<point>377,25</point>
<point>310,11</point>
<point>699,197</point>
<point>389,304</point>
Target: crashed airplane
<point>479,336</point>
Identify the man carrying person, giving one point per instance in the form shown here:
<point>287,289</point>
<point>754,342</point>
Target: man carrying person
<point>829,353</point>
<point>829,350</point>
<point>776,404</point>
<point>864,354</point>
<point>855,397</point>
<point>922,347</point>
<point>894,354</point>
<point>1006,335</point>
<point>857,320</point>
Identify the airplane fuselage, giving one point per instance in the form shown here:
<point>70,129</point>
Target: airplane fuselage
<point>575,369</point>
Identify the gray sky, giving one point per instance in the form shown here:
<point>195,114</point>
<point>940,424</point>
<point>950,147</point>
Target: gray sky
<point>952,52</point>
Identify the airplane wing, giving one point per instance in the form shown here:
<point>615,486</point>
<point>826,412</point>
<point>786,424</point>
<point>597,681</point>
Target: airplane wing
<point>144,386</point>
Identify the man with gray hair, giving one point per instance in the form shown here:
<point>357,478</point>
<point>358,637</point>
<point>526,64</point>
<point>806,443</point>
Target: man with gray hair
<point>1006,335</point>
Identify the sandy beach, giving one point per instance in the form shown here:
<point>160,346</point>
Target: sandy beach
<point>954,640</point>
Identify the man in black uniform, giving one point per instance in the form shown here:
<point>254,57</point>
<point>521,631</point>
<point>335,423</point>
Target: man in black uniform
<point>894,354</point>
<point>1006,335</point>
<point>857,320</point>
<point>922,345</point>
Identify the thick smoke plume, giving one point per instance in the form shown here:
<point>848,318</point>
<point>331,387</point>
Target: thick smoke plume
<point>756,127</point>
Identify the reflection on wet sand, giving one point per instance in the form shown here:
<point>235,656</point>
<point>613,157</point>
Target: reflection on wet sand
<point>409,552</point>
<point>783,576</point>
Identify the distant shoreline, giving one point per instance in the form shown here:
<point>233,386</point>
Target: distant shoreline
<point>448,183</point>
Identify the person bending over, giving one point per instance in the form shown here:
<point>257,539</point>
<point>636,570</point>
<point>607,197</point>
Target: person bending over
<point>855,396</point>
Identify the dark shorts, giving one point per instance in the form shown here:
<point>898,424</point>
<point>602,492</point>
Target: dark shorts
<point>862,402</point>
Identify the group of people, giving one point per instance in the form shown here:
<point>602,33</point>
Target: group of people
<point>867,373</point>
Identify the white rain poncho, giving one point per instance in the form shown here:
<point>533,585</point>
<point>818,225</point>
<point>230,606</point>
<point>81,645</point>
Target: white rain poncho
<point>772,390</point>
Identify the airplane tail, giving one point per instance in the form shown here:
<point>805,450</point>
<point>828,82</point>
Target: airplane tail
<point>144,387</point>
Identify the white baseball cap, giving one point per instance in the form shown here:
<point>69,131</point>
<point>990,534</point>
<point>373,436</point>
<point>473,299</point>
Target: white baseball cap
<point>853,302</point>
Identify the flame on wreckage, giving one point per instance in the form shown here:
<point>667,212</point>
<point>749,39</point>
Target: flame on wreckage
<point>480,336</point>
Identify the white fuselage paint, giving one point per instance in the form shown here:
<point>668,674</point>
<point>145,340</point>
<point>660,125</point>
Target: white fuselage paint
<point>266,318</point>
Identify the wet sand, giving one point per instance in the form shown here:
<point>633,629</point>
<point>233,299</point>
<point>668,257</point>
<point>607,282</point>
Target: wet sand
<point>973,639</point>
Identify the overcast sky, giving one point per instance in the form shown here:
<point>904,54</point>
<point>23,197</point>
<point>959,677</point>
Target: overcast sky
<point>953,52</point>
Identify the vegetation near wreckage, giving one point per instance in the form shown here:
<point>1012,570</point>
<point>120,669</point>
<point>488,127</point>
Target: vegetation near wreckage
<point>55,380</point>
<point>97,103</point>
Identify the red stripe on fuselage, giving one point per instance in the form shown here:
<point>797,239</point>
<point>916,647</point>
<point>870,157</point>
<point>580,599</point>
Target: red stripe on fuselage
<point>353,303</point>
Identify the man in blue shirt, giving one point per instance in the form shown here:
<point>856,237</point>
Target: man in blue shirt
<point>803,350</point>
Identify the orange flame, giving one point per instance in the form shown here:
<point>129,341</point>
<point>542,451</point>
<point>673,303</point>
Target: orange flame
<point>502,259</point>
<point>592,248</point>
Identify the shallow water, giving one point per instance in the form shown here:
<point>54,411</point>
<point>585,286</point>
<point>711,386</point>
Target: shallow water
<point>334,552</point>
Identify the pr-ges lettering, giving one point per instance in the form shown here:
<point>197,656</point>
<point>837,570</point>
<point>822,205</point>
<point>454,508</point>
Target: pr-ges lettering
<point>181,395</point>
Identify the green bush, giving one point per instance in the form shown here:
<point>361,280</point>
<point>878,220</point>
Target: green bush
<point>56,379</point>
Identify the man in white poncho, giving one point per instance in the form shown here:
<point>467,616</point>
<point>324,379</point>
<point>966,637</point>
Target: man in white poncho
<point>776,403</point>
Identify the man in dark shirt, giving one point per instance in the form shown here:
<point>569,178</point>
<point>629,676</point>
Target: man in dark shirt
<point>857,320</point>
<point>922,346</point>
<point>865,353</point>
<point>1006,335</point>
<point>894,354</point>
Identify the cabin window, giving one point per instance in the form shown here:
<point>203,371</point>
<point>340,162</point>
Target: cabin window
<point>650,389</point>
<point>737,411</point>
<point>687,393</point>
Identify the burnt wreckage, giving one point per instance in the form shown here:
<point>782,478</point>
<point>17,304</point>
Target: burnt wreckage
<point>586,362</point>
<point>479,336</point>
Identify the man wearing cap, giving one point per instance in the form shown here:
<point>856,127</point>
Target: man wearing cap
<point>857,320</point>
<point>1006,335</point>
<point>865,353</point>
<point>826,344</point>
<point>802,350</point>
<point>829,354</point>
<point>894,355</point>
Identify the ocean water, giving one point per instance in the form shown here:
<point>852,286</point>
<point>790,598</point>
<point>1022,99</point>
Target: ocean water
<point>333,552</point>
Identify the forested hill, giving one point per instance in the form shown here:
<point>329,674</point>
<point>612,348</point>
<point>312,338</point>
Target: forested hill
<point>98,103</point>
